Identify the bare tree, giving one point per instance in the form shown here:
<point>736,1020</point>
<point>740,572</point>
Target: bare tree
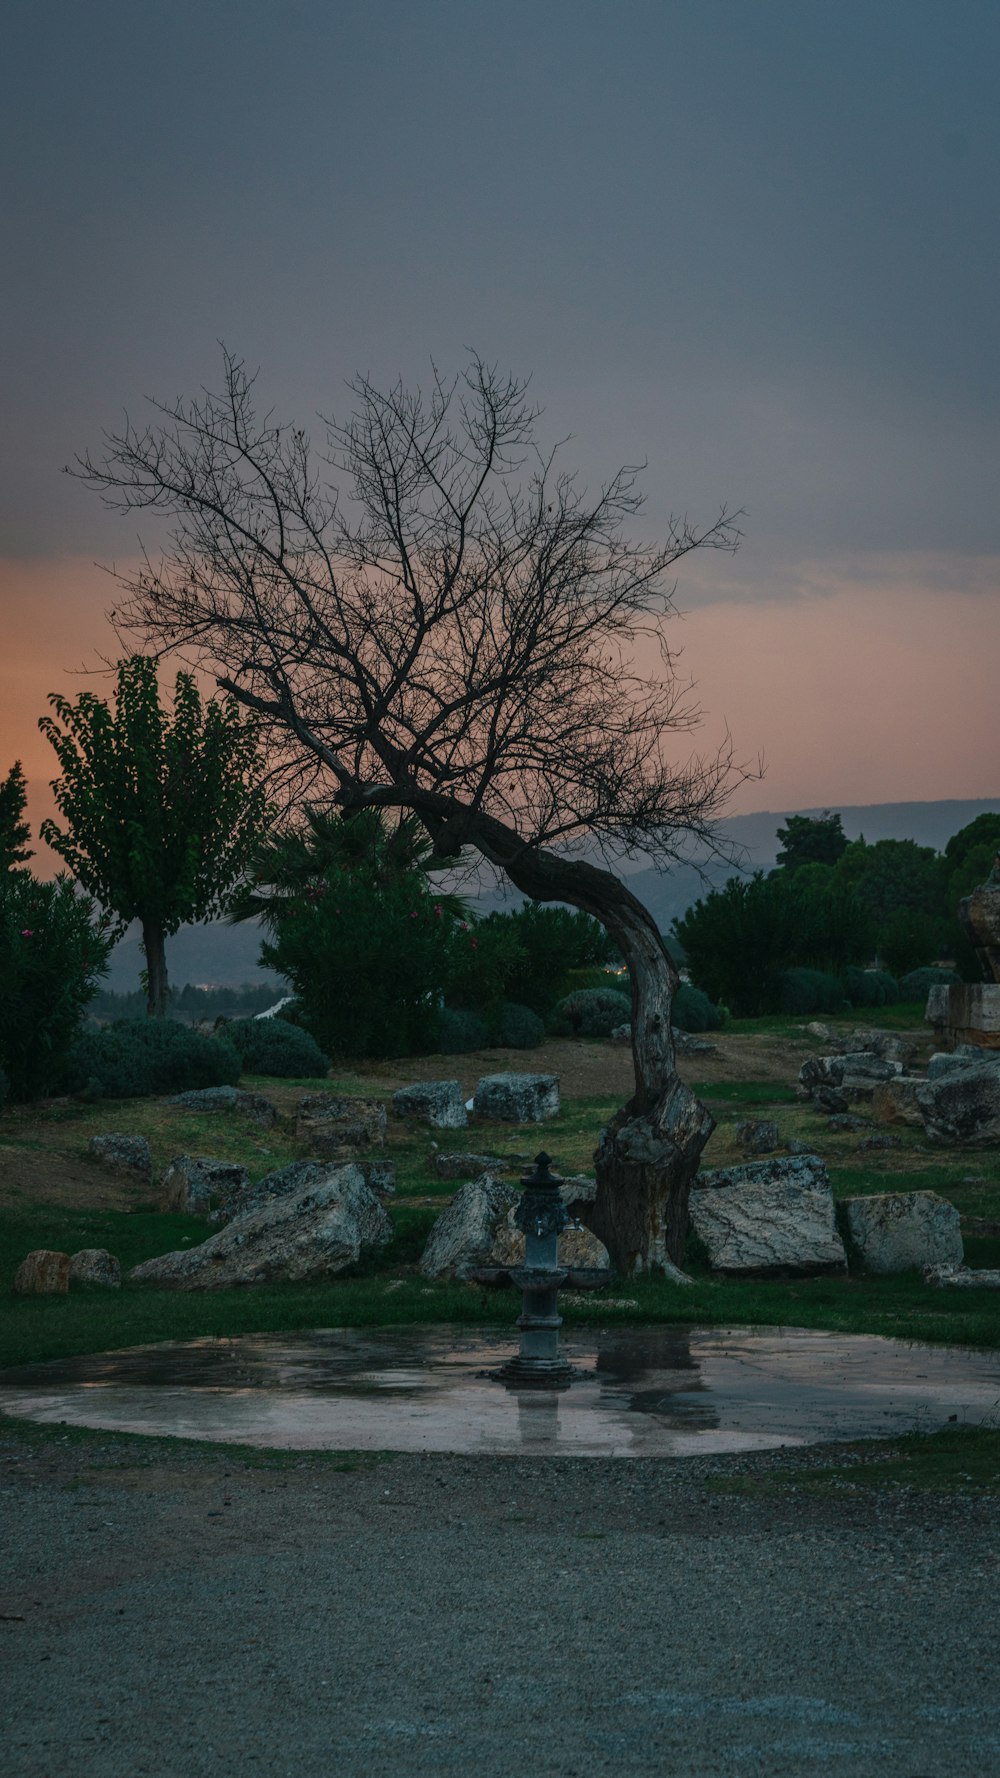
<point>447,622</point>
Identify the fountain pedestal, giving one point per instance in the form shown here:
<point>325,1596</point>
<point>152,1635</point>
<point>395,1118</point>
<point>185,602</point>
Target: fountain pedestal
<point>542,1216</point>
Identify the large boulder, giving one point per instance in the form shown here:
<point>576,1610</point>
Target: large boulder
<point>439,1103</point>
<point>310,1234</point>
<point>215,1099</point>
<point>835,1082</point>
<point>461,1239</point>
<point>123,1154</point>
<point>334,1126</point>
<point>191,1182</point>
<point>96,1268</point>
<point>243,1198</point>
<point>42,1273</point>
<point>888,1046</point>
<point>963,1106</point>
<point>477,1231</point>
<point>769,1218</point>
<point>517,1098</point>
<point>902,1231</point>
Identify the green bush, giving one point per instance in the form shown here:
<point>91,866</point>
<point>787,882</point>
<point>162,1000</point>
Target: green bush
<point>52,951</point>
<point>919,982</point>
<point>870,987</point>
<point>693,1011</point>
<point>593,977</point>
<point>525,956</point>
<point>518,1027</point>
<point>809,990</point>
<point>140,1056</point>
<point>459,1030</point>
<point>591,1012</point>
<point>274,1046</point>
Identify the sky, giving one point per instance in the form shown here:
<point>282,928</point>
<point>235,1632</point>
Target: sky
<point>750,243</point>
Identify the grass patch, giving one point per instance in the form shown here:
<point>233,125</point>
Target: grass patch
<point>745,1092</point>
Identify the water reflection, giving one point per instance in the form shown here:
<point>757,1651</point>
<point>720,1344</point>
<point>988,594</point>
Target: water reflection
<point>663,1390</point>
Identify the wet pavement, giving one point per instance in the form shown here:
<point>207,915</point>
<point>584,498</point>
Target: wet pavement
<point>664,1391</point>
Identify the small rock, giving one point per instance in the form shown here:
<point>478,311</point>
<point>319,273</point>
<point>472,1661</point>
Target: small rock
<point>460,1165</point>
<point>123,1154</point>
<point>845,1123</point>
<point>333,1125</point>
<point>191,1181</point>
<point>252,1105</point>
<point>439,1103</point>
<point>517,1098</point>
<point>96,1268</point>
<point>871,1143</point>
<point>758,1135</point>
<point>962,1278</point>
<point>816,1029</point>
<point>800,1147</point>
<point>42,1273</point>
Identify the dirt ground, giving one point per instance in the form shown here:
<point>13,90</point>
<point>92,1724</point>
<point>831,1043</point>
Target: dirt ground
<point>37,1163</point>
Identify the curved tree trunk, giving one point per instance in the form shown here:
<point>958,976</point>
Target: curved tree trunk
<point>156,969</point>
<point>648,1155</point>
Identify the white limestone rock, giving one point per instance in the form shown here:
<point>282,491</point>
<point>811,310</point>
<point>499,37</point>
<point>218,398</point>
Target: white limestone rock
<point>768,1218</point>
<point>517,1098</point>
<point>438,1103</point>
<point>309,1234</point>
<point>903,1231</point>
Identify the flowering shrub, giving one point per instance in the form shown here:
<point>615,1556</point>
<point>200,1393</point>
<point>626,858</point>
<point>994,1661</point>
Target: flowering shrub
<point>53,949</point>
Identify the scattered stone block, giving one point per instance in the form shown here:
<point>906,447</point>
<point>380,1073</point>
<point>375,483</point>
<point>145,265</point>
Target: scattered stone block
<point>334,1126</point>
<point>212,1099</point>
<point>123,1154</point>
<point>439,1103</point>
<point>768,1218</point>
<point>191,1182</point>
<point>902,1231</point>
<point>461,1165</point>
<point>310,1234</point>
<point>963,1106</point>
<point>845,1123</point>
<point>42,1273</point>
<point>895,1101</point>
<point>965,1014</point>
<point>96,1268</point>
<point>962,1278</point>
<point>758,1135</point>
<point>517,1098</point>
<point>964,1055</point>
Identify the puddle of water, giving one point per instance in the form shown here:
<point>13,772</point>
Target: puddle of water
<point>664,1391</point>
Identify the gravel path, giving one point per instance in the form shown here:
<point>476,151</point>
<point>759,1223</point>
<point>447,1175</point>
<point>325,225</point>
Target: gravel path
<point>171,1611</point>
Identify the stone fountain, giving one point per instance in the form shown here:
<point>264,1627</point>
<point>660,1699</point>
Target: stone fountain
<point>541,1216</point>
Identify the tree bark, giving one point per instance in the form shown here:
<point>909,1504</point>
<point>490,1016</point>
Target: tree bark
<point>157,987</point>
<point>648,1155</point>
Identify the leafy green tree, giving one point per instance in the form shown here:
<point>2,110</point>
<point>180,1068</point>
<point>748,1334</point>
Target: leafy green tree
<point>355,924</point>
<point>53,949</point>
<point>162,810</point>
<point>545,944</point>
<point>739,938</point>
<point>14,830</point>
<point>811,839</point>
<point>969,858</point>
<point>901,887</point>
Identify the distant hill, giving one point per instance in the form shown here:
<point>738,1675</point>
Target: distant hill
<point>227,955</point>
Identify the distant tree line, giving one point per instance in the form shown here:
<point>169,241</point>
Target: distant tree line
<point>838,909</point>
